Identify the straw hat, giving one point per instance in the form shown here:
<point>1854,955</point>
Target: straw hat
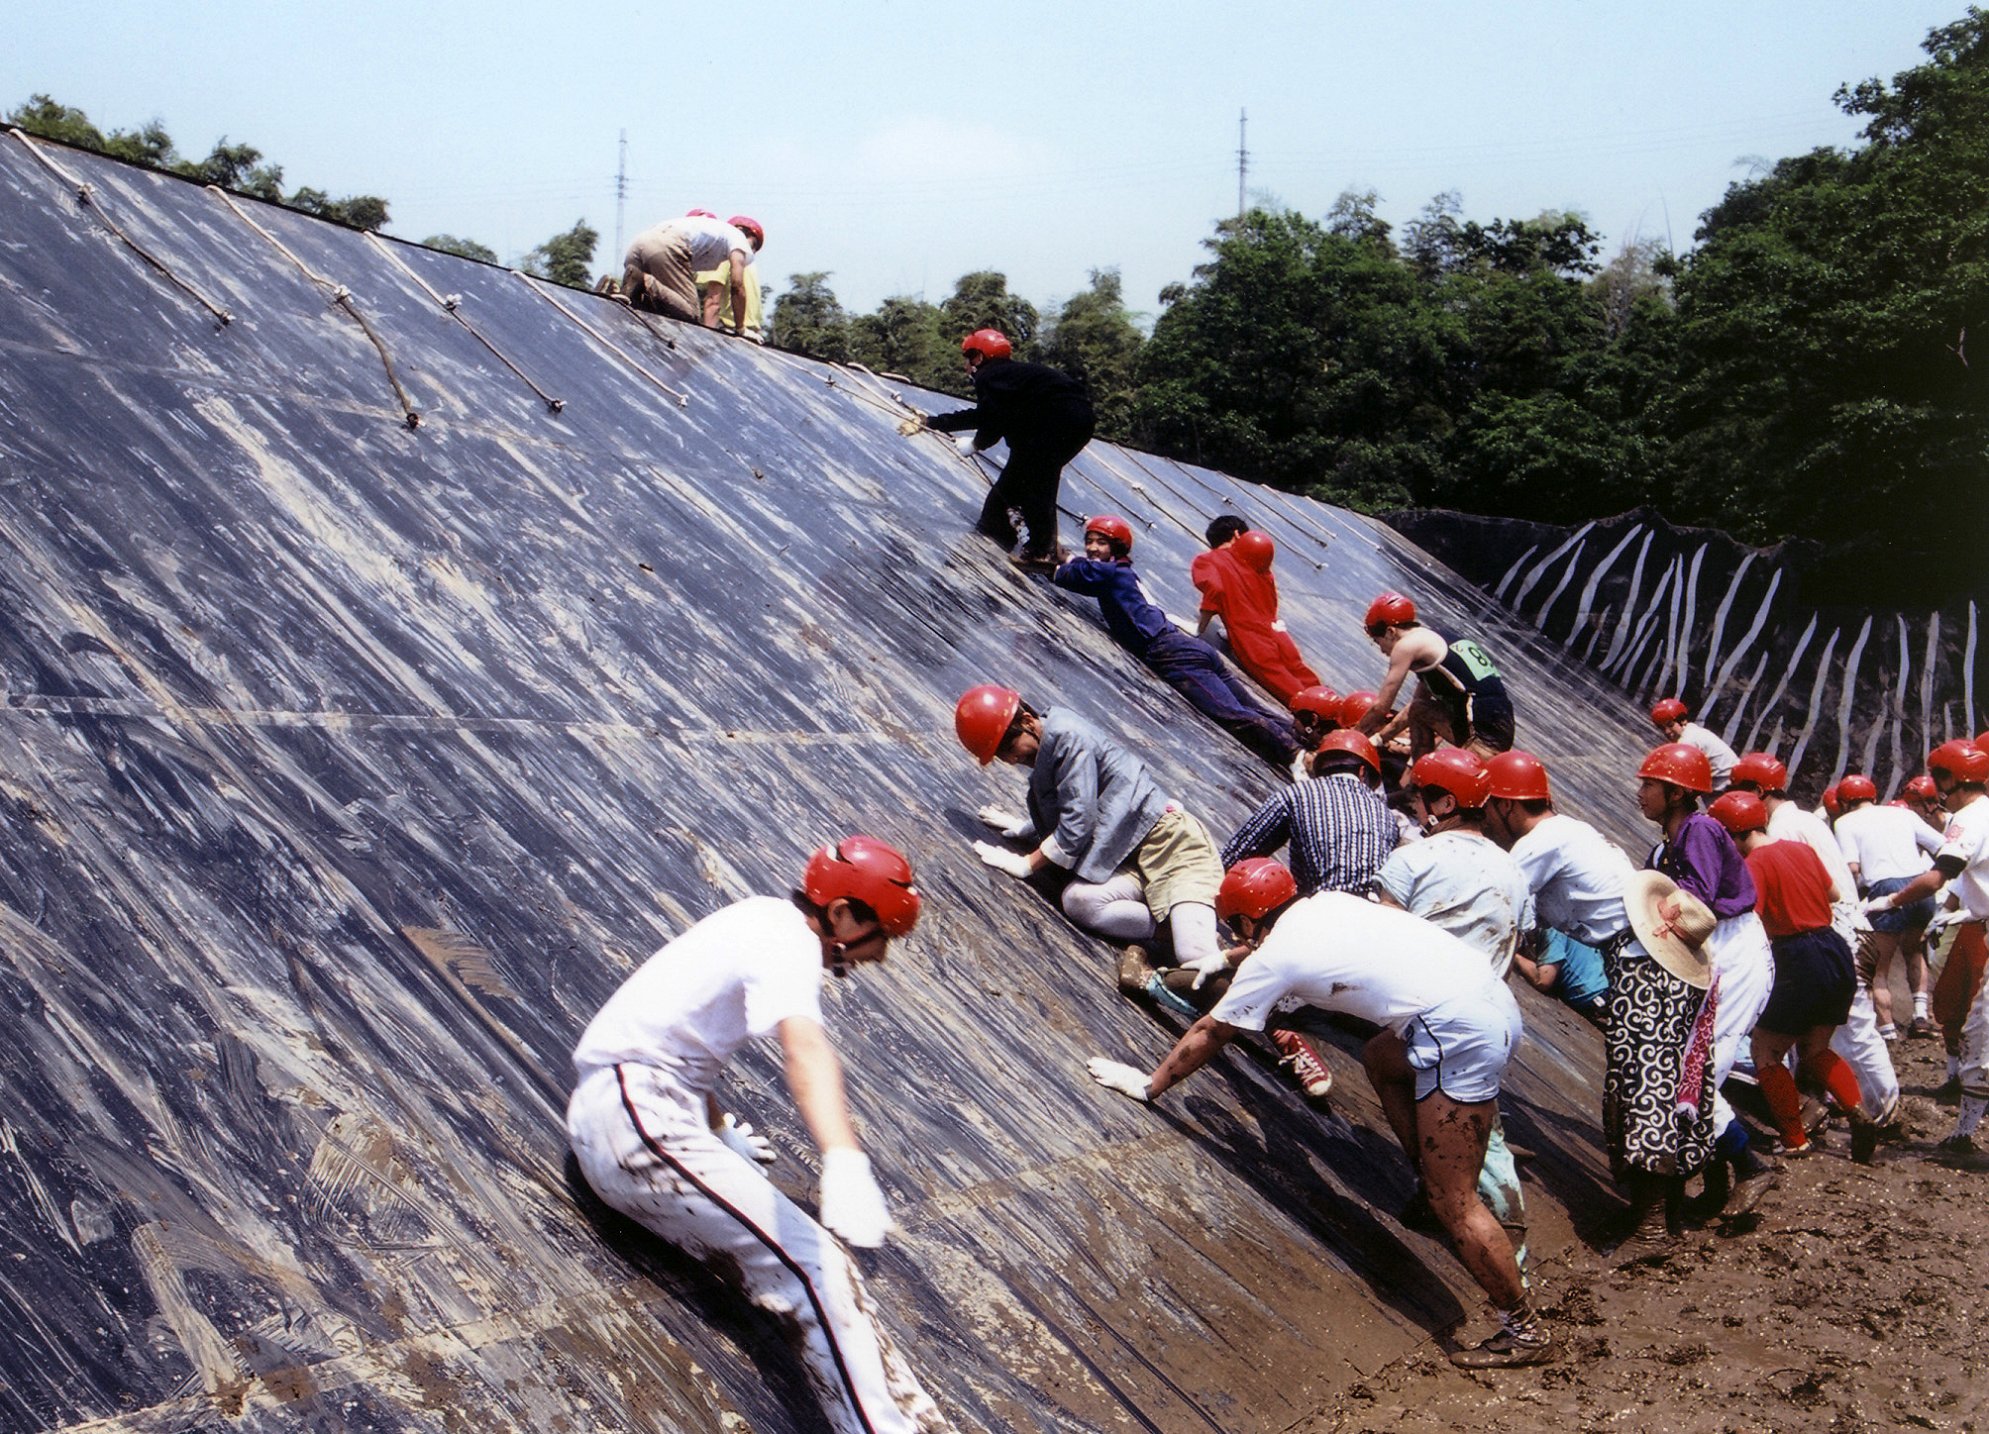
<point>1671,924</point>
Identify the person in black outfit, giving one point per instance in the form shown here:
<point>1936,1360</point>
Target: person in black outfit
<point>1046,418</point>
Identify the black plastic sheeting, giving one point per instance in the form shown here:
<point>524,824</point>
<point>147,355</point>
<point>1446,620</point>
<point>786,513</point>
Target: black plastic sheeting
<point>347,767</point>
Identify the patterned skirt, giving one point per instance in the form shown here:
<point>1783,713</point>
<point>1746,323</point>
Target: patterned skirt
<point>1649,1026</point>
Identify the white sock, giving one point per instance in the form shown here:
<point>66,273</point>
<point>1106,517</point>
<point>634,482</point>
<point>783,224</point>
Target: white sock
<point>1920,1006</point>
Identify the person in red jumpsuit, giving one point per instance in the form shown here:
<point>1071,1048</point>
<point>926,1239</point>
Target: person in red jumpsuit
<point>1234,578</point>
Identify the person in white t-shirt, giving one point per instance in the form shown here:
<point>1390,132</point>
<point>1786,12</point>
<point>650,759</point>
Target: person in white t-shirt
<point>1857,1040</point>
<point>1460,880</point>
<point>653,1143</point>
<point>1673,718</point>
<point>1448,1029</point>
<point>1886,847</point>
<point>659,272</point>
<point>1960,770</point>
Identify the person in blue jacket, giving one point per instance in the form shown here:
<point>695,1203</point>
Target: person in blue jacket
<point>1187,664</point>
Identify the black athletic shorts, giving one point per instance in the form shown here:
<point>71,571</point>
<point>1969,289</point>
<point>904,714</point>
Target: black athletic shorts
<point>1814,983</point>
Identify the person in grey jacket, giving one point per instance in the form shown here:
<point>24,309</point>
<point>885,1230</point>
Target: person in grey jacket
<point>1139,862</point>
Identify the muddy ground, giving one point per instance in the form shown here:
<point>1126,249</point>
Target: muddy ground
<point>1859,1300</point>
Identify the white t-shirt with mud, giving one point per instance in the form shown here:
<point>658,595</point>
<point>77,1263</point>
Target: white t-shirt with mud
<point>1341,952</point>
<point>1466,884</point>
<point>1886,843</point>
<point>732,978</point>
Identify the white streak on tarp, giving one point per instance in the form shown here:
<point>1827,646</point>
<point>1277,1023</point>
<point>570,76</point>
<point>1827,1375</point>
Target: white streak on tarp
<point>1815,701</point>
<point>1775,698</point>
<point>1844,700</point>
<point>1629,605</point>
<point>1587,600</point>
<point>1646,630</point>
<point>1740,651</point>
<point>1968,670</point>
<point>1709,698</point>
<point>1574,541</point>
<point>1927,680</point>
<point>1746,693</point>
<point>1681,650</point>
<point>1514,571</point>
<point>1567,576</point>
<point>1896,768</point>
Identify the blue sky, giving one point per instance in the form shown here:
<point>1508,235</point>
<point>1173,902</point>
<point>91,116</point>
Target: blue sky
<point>899,145</point>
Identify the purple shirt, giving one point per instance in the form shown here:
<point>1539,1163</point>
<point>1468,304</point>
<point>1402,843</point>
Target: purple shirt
<point>1703,860</point>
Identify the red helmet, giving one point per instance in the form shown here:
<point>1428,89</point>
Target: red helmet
<point>1518,776</point>
<point>1680,764</point>
<point>1388,610</point>
<point>1855,788</point>
<point>988,343</point>
<point>1758,769</point>
<point>1353,744</point>
<point>1319,701</point>
<point>862,868</point>
<point>1111,526</point>
<point>1739,812</point>
<point>1961,760</point>
<point>1254,887</point>
<point>699,214</point>
<point>1830,803</point>
<point>1668,711</point>
<point>1454,770</point>
<point>747,224</point>
<point>981,719</point>
<point>1922,788</point>
<point>1354,706</point>
<point>1255,550</point>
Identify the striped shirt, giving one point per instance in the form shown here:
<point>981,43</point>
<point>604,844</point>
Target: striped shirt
<point>1339,829</point>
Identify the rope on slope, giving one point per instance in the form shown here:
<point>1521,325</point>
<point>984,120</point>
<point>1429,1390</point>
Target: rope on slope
<point>86,196</point>
<point>453,306</point>
<point>340,295</point>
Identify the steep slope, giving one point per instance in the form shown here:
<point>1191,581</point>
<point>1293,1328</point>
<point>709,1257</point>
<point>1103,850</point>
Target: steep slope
<point>349,765</point>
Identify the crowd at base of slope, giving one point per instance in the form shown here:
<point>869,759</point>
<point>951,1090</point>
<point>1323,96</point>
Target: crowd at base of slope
<point>1427,867</point>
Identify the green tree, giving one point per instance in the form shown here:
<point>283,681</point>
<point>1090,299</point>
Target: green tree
<point>467,248</point>
<point>981,300</point>
<point>808,319</point>
<point>566,258</point>
<point>230,166</point>
<point>1824,385</point>
<point>907,337</point>
<point>1095,340</point>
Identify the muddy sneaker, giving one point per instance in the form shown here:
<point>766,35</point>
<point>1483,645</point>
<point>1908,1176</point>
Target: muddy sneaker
<point>1035,562</point>
<point>1752,1180</point>
<point>1135,970</point>
<point>1956,1145</point>
<point>1921,1029</point>
<point>1864,1137</point>
<point>1314,1077</point>
<point>1507,1350</point>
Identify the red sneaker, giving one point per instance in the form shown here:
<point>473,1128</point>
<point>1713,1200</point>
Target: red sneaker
<point>1314,1076</point>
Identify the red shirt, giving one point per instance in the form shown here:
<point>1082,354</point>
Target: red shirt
<point>1791,887</point>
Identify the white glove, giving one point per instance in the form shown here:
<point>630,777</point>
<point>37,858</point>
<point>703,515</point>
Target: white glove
<point>1014,863</point>
<point>1942,920</point>
<point>741,1137</point>
<point>1205,968</point>
<point>851,1204</point>
<point>1004,821</point>
<point>1875,903</point>
<point>965,443</point>
<point>1117,1075</point>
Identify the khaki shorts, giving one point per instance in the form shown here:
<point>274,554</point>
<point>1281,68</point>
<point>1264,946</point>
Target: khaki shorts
<point>1177,863</point>
<point>659,277</point>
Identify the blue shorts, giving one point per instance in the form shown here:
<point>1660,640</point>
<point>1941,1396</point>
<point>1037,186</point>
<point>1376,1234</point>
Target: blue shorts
<point>1909,917</point>
<point>1461,1046</point>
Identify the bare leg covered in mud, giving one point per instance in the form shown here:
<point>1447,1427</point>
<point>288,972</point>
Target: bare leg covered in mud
<point>1445,1141</point>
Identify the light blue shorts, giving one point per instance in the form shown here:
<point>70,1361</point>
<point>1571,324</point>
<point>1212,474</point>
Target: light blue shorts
<point>1462,1045</point>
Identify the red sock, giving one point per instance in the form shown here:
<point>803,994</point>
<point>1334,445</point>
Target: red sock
<point>1778,1088</point>
<point>1838,1078</point>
